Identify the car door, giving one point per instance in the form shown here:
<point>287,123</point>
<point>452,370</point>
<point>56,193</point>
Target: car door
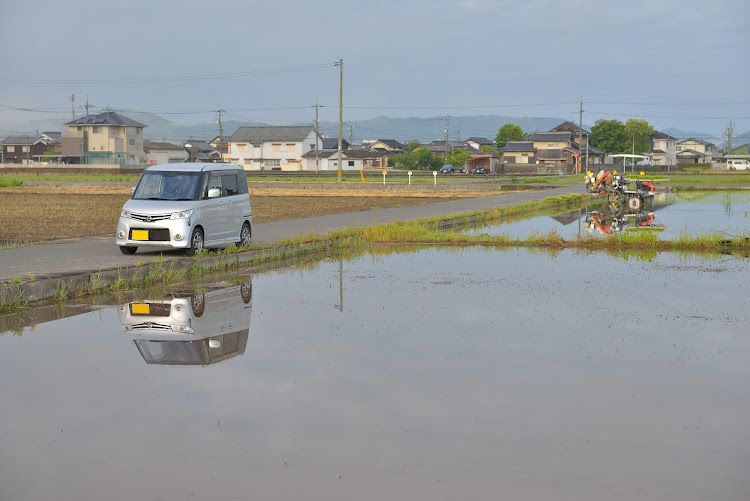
<point>233,206</point>
<point>215,226</point>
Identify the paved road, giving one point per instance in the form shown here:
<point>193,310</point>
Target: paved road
<point>92,254</point>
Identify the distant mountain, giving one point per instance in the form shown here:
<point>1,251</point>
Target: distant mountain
<point>424,130</point>
<point>681,135</point>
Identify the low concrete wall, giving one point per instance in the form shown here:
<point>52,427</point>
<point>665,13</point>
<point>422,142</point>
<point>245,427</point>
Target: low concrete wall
<point>534,169</point>
<point>51,169</point>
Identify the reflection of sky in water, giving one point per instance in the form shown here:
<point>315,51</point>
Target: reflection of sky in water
<point>449,374</point>
<point>693,213</point>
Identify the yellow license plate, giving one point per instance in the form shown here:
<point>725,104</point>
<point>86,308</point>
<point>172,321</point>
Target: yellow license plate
<point>140,234</point>
<point>140,309</point>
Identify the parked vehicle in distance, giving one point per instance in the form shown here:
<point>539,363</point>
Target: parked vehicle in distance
<point>447,169</point>
<point>738,164</point>
<point>188,206</point>
<point>463,169</point>
<point>481,169</point>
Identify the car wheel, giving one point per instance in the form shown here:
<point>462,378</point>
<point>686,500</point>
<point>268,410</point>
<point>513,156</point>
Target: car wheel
<point>196,243</point>
<point>245,235</point>
<point>125,249</point>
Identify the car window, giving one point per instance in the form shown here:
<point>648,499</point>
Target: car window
<point>230,184</point>
<point>214,181</point>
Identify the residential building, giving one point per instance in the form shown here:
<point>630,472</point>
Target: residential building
<point>695,151</point>
<point>104,138</point>
<point>519,152</point>
<point>327,160</point>
<point>163,153</point>
<point>664,149</point>
<point>477,142</point>
<point>202,151</point>
<point>389,145</point>
<point>277,148</point>
<point>26,149</point>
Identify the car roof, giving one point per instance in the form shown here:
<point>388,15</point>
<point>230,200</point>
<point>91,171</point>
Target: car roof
<point>193,167</point>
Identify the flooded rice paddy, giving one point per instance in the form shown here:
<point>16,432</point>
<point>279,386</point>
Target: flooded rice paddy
<point>426,374</point>
<point>668,214</point>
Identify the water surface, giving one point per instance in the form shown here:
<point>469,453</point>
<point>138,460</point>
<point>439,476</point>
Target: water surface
<point>429,374</point>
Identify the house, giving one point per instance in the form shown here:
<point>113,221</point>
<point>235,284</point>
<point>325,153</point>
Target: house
<point>332,143</point>
<point>695,151</point>
<point>438,148</point>
<point>104,138</point>
<point>554,147</point>
<point>371,159</point>
<point>24,149</point>
<point>202,151</point>
<point>278,148</point>
<point>519,152</point>
<point>163,153</point>
<point>477,142</point>
<point>389,145</point>
<point>320,160</point>
<point>664,149</point>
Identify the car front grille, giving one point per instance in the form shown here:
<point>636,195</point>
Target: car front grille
<point>148,218</point>
<point>151,326</point>
<point>154,234</point>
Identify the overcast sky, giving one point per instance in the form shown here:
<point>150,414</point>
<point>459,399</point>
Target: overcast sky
<point>675,63</point>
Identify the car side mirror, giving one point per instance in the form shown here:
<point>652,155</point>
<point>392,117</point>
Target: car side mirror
<point>132,190</point>
<point>214,193</point>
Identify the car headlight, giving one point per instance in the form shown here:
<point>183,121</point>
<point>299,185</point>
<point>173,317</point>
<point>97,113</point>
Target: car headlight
<point>183,214</point>
<point>125,213</point>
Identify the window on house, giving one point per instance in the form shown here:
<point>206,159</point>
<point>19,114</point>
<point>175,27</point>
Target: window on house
<point>273,163</point>
<point>24,149</point>
<point>276,147</point>
<point>312,146</point>
<point>97,129</point>
<point>290,147</point>
<point>131,142</point>
<point>11,149</point>
<point>550,145</point>
<point>351,163</point>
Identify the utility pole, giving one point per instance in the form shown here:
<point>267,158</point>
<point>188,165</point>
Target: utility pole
<point>340,64</point>
<point>580,135</point>
<point>729,133</point>
<point>447,125</point>
<point>221,129</point>
<point>317,132</point>
<point>73,105</point>
<point>351,134</point>
<point>87,106</point>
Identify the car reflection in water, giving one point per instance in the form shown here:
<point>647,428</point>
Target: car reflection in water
<point>202,328</point>
<point>616,218</point>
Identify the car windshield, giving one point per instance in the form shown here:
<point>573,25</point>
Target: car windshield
<point>158,185</point>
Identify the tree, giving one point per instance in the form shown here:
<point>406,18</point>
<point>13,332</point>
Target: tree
<point>458,158</point>
<point>508,132</point>
<point>639,132</point>
<point>412,145</point>
<point>486,148</point>
<point>424,159</point>
<point>608,136</point>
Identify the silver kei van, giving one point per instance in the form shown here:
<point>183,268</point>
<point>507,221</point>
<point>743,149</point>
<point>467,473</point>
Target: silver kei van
<point>188,206</point>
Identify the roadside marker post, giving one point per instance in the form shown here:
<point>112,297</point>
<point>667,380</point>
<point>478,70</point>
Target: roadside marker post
<point>409,177</point>
<point>384,174</point>
<point>434,176</point>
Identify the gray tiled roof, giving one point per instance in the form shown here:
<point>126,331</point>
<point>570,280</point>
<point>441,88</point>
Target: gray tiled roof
<point>107,118</point>
<point>158,145</point>
<point>518,146</point>
<point>551,136</point>
<point>260,135</point>
<point>481,141</point>
<point>391,143</point>
<point>661,135</point>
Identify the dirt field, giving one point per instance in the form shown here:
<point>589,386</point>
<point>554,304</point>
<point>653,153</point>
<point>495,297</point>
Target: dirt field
<point>33,214</point>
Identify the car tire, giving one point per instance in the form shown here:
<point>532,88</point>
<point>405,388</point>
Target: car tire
<point>246,235</point>
<point>126,249</point>
<point>196,243</point>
